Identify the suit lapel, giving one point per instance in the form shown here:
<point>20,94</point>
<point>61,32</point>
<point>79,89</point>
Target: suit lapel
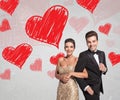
<point>100,57</point>
<point>90,55</point>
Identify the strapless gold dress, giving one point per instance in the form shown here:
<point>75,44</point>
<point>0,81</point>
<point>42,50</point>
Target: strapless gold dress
<point>69,90</point>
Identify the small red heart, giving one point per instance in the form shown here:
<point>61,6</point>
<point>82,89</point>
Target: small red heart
<point>49,28</point>
<point>51,73</point>
<point>17,55</point>
<point>6,74</point>
<point>114,58</point>
<point>105,28</point>
<point>37,65</point>
<point>5,25</point>
<point>54,59</point>
<point>88,4</point>
<point>9,5</point>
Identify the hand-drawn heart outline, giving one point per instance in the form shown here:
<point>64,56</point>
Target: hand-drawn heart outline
<point>54,59</point>
<point>9,5</point>
<point>114,58</point>
<point>49,28</point>
<point>51,73</point>
<point>5,74</point>
<point>78,23</point>
<point>88,4</point>
<point>37,65</point>
<point>18,55</point>
<point>5,25</point>
<point>105,28</point>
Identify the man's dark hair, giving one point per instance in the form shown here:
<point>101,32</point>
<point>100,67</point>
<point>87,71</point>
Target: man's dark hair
<point>90,34</point>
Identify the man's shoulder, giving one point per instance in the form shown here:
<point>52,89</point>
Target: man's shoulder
<point>100,51</point>
<point>86,52</point>
<point>83,52</point>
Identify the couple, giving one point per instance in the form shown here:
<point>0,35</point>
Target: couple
<point>86,70</point>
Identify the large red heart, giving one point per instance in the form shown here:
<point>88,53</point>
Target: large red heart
<point>114,58</point>
<point>54,59</point>
<point>88,4</point>
<point>49,28</point>
<point>17,55</point>
<point>105,28</point>
<point>9,5</point>
<point>5,25</point>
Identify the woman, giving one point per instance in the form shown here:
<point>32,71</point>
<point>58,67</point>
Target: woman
<point>67,88</point>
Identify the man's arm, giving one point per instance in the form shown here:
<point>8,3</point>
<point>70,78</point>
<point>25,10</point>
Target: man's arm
<point>102,65</point>
<point>79,68</point>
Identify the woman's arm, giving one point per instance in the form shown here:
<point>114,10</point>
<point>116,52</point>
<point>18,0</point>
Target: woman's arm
<point>63,77</point>
<point>83,74</point>
<point>57,75</point>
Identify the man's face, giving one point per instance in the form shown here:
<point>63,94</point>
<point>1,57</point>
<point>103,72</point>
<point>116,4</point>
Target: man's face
<point>92,43</point>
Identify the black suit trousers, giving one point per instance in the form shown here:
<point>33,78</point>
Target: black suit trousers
<point>91,97</point>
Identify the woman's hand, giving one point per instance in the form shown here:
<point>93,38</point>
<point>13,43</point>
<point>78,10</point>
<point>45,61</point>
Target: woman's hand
<point>70,74</point>
<point>64,78</point>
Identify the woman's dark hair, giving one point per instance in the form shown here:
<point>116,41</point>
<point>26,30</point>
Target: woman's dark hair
<point>90,34</point>
<point>70,40</point>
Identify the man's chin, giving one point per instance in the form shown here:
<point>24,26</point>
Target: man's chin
<point>92,49</point>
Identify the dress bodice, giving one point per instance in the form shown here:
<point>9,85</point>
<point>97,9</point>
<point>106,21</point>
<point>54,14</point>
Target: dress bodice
<point>64,70</point>
<point>69,90</point>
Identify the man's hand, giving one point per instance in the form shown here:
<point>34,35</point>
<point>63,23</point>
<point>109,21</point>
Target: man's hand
<point>102,67</point>
<point>90,90</point>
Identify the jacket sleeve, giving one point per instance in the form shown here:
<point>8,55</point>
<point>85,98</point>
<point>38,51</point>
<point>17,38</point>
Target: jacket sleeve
<point>79,68</point>
<point>104,62</point>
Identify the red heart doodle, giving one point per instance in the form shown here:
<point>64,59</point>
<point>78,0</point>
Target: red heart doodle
<point>78,23</point>
<point>5,25</point>
<point>105,28</point>
<point>88,4</point>
<point>37,65</point>
<point>51,73</point>
<point>54,59</point>
<point>9,5</point>
<point>6,74</point>
<point>49,28</point>
<point>17,55</point>
<point>114,58</point>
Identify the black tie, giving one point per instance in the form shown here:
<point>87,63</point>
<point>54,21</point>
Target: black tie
<point>94,52</point>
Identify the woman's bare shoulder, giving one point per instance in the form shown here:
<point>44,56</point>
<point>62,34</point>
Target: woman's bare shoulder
<point>60,59</point>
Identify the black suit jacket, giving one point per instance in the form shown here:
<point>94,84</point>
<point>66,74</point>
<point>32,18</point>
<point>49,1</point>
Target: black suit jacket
<point>87,60</point>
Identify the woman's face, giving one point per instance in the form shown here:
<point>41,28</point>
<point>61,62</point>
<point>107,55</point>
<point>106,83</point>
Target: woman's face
<point>69,48</point>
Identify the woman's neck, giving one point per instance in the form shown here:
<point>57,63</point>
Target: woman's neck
<point>69,56</point>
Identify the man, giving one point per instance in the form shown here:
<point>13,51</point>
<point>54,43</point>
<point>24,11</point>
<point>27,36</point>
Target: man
<point>95,63</point>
